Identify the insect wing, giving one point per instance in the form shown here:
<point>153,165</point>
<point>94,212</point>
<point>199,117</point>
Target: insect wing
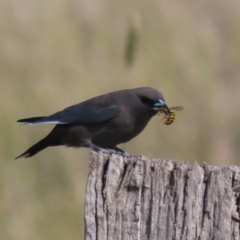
<point>178,108</point>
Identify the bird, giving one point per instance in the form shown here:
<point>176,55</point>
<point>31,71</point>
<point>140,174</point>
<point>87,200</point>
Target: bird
<point>100,123</point>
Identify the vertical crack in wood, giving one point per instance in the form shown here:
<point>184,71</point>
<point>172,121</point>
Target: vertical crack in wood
<point>139,182</point>
<point>104,176</point>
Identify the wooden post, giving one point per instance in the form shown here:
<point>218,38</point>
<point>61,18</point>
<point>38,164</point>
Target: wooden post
<point>139,198</point>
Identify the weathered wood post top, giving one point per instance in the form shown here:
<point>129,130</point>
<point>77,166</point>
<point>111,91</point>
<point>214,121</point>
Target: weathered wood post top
<point>139,198</point>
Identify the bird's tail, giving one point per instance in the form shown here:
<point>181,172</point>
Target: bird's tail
<point>39,146</point>
<point>32,120</point>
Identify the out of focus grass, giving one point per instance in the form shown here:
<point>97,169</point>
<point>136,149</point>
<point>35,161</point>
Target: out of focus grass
<point>58,53</point>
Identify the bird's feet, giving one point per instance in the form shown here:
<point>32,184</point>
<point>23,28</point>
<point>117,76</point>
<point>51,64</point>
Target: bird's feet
<point>118,151</point>
<point>95,148</point>
<point>112,150</point>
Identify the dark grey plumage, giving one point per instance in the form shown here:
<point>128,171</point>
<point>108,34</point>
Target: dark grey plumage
<point>100,123</point>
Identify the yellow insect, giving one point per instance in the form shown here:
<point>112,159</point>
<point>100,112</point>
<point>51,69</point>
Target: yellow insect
<point>170,118</point>
<point>169,115</point>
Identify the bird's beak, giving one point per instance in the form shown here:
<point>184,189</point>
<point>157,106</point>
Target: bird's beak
<point>160,104</point>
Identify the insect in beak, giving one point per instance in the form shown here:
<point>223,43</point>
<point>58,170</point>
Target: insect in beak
<point>168,114</point>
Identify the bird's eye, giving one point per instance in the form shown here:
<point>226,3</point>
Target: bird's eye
<point>147,101</point>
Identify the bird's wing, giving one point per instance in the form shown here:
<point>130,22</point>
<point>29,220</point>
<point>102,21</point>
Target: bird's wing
<point>77,114</point>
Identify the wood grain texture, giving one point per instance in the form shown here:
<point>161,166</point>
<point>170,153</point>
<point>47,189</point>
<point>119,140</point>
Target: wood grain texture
<point>138,198</point>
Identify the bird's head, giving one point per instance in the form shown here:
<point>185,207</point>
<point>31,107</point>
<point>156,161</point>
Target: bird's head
<point>152,99</point>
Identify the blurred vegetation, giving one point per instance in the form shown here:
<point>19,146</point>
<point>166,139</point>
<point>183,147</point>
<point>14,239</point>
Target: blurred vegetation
<point>132,37</point>
<point>58,53</point>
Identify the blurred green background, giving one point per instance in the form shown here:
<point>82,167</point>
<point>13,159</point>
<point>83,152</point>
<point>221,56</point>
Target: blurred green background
<point>57,53</point>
